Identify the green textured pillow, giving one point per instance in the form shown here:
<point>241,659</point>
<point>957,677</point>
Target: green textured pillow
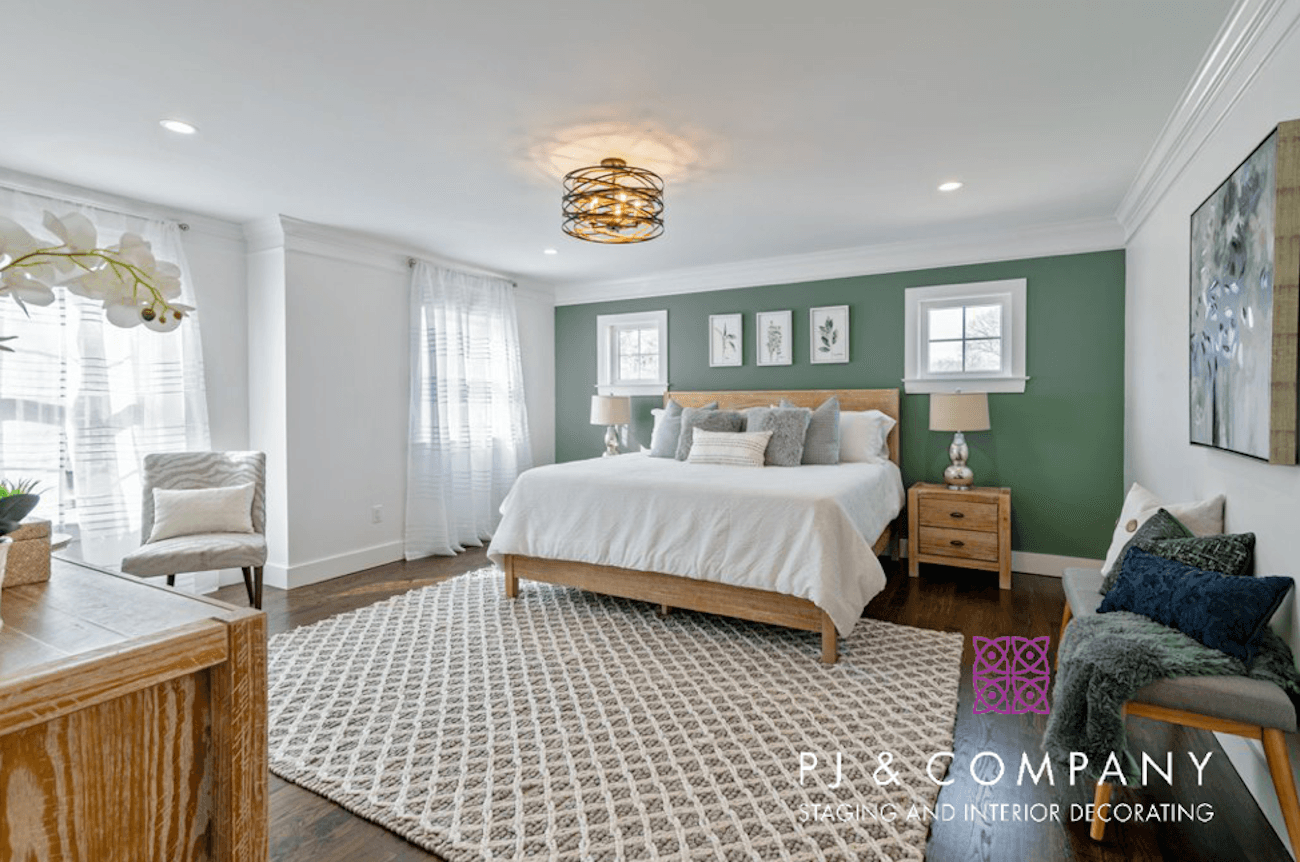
<point>1228,554</point>
<point>1161,525</point>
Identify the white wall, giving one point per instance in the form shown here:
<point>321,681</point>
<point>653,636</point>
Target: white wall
<point>334,407</point>
<point>1262,499</point>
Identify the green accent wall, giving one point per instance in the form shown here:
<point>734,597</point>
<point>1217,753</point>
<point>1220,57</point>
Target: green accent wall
<point>1059,445</point>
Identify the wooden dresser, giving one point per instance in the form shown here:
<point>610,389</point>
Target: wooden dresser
<point>132,723</point>
<point>970,528</point>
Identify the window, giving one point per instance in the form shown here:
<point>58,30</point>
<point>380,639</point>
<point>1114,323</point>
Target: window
<point>632,353</point>
<point>966,336</point>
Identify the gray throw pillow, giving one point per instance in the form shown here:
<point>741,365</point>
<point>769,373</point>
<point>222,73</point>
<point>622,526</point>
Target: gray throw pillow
<point>709,420</point>
<point>1226,554</point>
<point>1161,525</point>
<point>821,445</point>
<point>788,425</point>
<point>664,443</point>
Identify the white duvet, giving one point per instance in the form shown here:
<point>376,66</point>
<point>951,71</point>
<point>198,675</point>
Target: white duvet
<point>802,531</point>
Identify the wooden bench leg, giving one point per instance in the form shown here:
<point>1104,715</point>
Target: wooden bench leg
<point>665,610</point>
<point>1279,766</point>
<point>830,649</point>
<point>1065,621</point>
<point>1101,799</point>
<point>512,583</point>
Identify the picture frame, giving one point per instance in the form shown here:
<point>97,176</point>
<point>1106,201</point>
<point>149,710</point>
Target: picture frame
<point>773,337</point>
<point>1243,289</point>
<point>726,340</point>
<point>828,334</point>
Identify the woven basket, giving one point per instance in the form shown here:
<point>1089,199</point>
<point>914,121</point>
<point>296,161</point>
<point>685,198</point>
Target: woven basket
<point>29,555</point>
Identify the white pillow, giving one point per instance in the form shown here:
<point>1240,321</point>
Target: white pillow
<point>658,414</point>
<point>729,448</point>
<point>204,510</point>
<point>1203,517</point>
<point>864,435</point>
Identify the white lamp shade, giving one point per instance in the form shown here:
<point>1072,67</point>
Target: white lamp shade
<point>961,411</point>
<point>610,410</point>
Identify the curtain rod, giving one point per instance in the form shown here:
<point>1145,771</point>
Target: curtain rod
<point>89,203</point>
<point>411,262</point>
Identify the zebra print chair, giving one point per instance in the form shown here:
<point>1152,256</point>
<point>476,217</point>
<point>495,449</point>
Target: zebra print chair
<point>205,551</point>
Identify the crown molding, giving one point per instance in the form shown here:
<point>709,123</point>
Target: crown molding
<point>347,246</point>
<point>1099,234</point>
<point>47,188</point>
<point>1251,34</point>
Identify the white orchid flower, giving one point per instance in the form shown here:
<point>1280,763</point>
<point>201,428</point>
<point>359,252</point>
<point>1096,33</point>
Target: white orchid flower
<point>15,241</point>
<point>76,231</point>
<point>26,288</point>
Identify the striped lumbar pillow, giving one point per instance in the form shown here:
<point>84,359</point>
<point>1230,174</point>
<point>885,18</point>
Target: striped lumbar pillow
<point>732,448</point>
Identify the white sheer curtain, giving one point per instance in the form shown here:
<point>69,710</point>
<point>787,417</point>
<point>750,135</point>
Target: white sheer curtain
<point>469,428</point>
<point>82,401</point>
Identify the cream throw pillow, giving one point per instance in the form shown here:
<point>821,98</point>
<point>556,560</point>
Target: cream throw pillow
<point>864,436</point>
<point>729,448</point>
<point>204,510</point>
<point>1203,517</point>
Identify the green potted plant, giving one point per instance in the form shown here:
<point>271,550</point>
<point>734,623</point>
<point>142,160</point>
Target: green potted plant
<point>16,502</point>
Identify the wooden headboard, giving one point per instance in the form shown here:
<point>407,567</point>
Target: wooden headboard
<point>884,400</point>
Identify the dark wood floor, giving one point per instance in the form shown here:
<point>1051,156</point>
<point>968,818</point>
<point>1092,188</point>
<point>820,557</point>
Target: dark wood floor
<point>308,828</point>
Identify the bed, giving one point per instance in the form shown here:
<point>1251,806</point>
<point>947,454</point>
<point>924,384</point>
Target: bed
<point>791,546</point>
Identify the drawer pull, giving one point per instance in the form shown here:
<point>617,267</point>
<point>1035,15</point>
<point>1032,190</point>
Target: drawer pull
<point>957,543</point>
<point>956,515</point>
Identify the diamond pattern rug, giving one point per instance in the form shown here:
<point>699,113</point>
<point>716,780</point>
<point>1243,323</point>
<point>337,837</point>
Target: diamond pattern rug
<point>570,726</point>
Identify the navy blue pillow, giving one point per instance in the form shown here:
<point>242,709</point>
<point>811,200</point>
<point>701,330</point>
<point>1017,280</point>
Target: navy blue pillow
<point>1223,612</point>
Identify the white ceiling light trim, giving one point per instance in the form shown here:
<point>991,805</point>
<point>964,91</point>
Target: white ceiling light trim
<point>1253,32</point>
<point>950,186</point>
<point>1087,235</point>
<point>180,127</point>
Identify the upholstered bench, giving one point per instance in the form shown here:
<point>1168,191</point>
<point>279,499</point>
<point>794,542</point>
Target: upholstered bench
<point>1228,704</point>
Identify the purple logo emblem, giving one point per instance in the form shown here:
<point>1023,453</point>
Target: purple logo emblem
<point>1011,675</point>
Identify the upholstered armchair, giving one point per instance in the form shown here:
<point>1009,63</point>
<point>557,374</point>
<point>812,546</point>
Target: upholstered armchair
<point>203,551</point>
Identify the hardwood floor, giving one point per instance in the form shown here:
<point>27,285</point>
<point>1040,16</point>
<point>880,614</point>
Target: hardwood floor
<point>308,828</point>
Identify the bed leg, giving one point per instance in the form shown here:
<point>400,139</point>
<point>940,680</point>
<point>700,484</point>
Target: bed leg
<point>512,583</point>
<point>665,610</point>
<point>830,650</point>
<point>1100,801</point>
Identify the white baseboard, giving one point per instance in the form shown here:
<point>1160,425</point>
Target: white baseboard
<point>326,568</point>
<point>1049,564</point>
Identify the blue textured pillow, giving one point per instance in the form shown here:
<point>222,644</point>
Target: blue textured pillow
<point>1224,612</point>
<point>663,443</point>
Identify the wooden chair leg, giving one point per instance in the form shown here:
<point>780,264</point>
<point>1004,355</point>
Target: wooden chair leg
<point>1065,621</point>
<point>248,582</point>
<point>257,587</point>
<point>171,580</point>
<point>830,648</point>
<point>1101,799</point>
<point>1279,766</point>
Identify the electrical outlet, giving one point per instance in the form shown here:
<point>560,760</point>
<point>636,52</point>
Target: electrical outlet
<point>376,514</point>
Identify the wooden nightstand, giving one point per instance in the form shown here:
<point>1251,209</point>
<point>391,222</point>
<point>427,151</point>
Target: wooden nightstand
<point>969,528</point>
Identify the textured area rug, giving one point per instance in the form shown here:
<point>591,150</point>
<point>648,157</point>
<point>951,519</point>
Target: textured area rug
<point>566,725</point>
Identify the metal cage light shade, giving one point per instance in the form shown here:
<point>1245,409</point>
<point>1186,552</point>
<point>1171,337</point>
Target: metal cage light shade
<point>613,203</point>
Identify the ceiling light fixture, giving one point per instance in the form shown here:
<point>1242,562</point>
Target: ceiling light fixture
<point>550,251</point>
<point>613,203</point>
<point>950,186</point>
<point>180,127</point>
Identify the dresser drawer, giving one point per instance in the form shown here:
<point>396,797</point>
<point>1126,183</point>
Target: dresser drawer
<point>966,544</point>
<point>959,514</point>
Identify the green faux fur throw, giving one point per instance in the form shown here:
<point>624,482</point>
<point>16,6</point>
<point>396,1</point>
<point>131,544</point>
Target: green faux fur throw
<point>1106,658</point>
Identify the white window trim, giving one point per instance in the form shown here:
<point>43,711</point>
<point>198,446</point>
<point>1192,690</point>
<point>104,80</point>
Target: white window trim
<point>1010,293</point>
<point>606,326</point>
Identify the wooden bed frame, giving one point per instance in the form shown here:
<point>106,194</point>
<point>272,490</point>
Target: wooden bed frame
<point>674,591</point>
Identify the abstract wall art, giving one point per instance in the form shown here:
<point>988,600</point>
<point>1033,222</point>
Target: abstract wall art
<point>1245,284</point>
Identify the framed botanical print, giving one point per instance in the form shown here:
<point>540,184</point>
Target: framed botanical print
<point>828,334</point>
<point>773,333</point>
<point>1245,280</point>
<point>726,344</point>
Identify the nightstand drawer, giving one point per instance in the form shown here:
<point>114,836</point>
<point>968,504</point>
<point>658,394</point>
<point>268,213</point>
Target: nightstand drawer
<point>959,514</point>
<point>966,544</point>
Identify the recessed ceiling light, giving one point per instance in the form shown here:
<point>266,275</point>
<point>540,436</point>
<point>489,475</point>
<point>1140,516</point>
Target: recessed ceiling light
<point>950,186</point>
<point>550,251</point>
<point>180,127</point>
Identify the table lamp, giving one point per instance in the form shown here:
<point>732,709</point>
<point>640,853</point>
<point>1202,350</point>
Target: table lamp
<point>611,410</point>
<point>958,412</point>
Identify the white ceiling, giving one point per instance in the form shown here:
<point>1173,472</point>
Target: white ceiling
<point>781,127</point>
